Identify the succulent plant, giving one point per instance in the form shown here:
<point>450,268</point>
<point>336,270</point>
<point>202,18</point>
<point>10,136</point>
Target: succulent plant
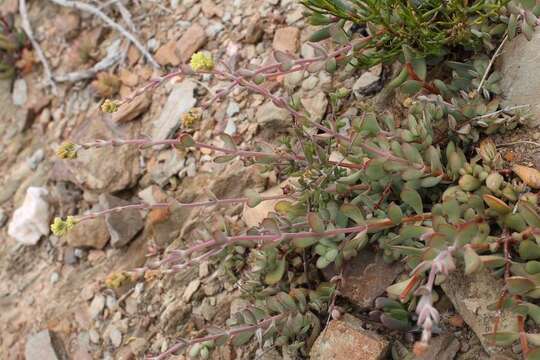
<point>411,185</point>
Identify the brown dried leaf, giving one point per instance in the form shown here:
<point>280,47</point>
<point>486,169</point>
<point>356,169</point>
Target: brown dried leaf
<point>528,175</point>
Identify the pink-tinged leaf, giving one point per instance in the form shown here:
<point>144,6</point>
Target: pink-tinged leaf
<point>519,285</point>
<point>315,222</point>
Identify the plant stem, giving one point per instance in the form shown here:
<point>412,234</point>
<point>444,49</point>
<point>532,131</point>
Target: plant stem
<point>229,240</point>
<point>145,206</point>
<point>263,324</point>
<point>200,145</point>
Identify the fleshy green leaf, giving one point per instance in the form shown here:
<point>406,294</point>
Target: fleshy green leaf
<point>353,212</point>
<point>411,87</point>
<point>315,222</point>
<point>492,261</point>
<point>533,354</point>
<point>242,338</point>
<point>533,267</point>
<point>223,159</point>
<point>412,198</point>
<point>529,213</point>
<point>529,250</point>
<point>395,214</point>
<point>228,141</point>
<point>502,338</point>
<point>275,276</point>
<point>253,197</point>
<point>519,285</point>
<point>304,242</point>
<point>472,260</point>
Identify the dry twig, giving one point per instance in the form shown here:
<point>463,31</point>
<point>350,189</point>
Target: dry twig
<point>39,52</point>
<point>114,55</point>
<point>98,13</point>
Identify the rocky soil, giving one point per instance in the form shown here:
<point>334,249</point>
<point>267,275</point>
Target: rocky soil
<point>54,295</point>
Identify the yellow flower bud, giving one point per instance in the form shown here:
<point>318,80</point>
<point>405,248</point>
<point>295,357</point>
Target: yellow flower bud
<point>60,227</point>
<point>191,117</point>
<point>67,150</point>
<point>200,61</point>
<point>110,106</point>
<point>116,280</point>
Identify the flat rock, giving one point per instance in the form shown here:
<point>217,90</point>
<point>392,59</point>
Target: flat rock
<point>96,306</point>
<point>133,109</point>
<point>471,295</point>
<point>287,39</point>
<point>518,65</point>
<point>166,54</point>
<point>254,216</point>
<point>128,78</point>
<point>89,234</point>
<point>366,277</point>
<point>107,169</point>
<point>166,164</point>
<point>191,289</point>
<point>179,101</point>
<point>269,114</point>
<point>368,82</point>
<point>316,105</point>
<point>123,225</point>
<point>44,346</point>
<point>254,31</point>
<point>115,336</point>
<point>347,340</point>
<point>192,40</point>
<point>442,347</point>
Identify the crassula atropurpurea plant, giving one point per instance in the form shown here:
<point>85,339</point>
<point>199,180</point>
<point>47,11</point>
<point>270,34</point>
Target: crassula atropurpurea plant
<point>425,187</point>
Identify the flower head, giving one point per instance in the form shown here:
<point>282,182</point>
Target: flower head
<point>201,61</point>
<point>116,280</point>
<point>110,106</point>
<point>191,117</point>
<point>67,150</point>
<point>60,227</point>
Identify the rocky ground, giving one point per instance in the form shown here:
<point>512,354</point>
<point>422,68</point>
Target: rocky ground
<point>55,296</point>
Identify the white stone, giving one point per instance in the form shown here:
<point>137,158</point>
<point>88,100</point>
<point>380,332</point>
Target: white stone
<point>232,108</point>
<point>31,220</point>
<point>20,92</point>
<point>179,101</point>
<point>191,289</point>
<point>116,336</point>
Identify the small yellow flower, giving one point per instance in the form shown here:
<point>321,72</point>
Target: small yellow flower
<point>110,106</point>
<point>60,227</point>
<point>191,117</point>
<point>67,150</point>
<point>116,280</point>
<point>200,61</point>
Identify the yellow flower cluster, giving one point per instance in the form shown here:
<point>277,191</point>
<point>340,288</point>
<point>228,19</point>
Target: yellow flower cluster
<point>67,150</point>
<point>116,280</point>
<point>200,61</point>
<point>110,106</point>
<point>60,227</point>
<point>191,117</point>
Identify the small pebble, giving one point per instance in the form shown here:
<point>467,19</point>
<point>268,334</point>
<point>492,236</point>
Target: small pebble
<point>94,336</point>
<point>116,336</point>
<point>111,302</point>
<point>55,277</point>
